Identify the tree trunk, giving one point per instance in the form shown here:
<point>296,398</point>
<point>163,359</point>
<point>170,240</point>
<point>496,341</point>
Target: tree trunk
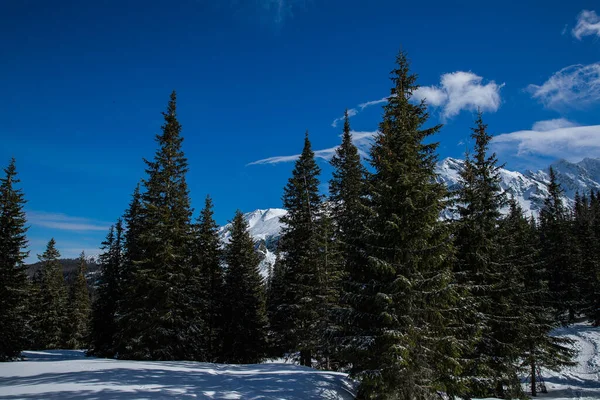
<point>305,358</point>
<point>533,382</point>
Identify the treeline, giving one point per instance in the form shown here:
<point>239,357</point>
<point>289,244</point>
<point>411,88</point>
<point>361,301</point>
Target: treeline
<point>368,280</point>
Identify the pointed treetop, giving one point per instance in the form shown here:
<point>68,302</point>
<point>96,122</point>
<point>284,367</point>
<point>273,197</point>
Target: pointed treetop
<point>346,123</point>
<point>11,172</point>
<point>172,106</point>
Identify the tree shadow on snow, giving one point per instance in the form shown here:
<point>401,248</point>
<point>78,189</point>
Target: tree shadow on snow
<point>201,381</point>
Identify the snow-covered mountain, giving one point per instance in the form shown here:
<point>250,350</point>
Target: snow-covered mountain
<point>265,227</point>
<point>528,188</point>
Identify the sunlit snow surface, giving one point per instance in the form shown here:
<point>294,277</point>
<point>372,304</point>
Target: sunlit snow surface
<point>69,375</point>
<point>581,381</point>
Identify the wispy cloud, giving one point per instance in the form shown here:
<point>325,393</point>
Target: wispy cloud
<point>588,24</point>
<point>575,86</point>
<point>351,113</point>
<point>271,11</point>
<point>557,138</point>
<point>354,111</point>
<point>552,124</point>
<point>460,91</point>
<point>362,140</point>
<point>366,104</point>
<point>64,222</point>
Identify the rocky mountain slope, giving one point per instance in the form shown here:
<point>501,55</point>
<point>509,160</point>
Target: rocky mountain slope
<point>528,188</point>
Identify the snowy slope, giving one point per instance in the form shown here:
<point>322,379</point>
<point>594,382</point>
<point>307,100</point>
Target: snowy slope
<point>67,374</point>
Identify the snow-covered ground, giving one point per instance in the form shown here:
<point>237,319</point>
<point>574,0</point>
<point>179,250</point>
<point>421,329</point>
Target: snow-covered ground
<point>581,381</point>
<point>69,375</point>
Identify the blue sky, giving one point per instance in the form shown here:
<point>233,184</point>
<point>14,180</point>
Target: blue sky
<point>84,83</point>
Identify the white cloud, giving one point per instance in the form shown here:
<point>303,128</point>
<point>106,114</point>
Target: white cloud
<point>552,124</point>
<point>362,140</point>
<point>574,86</point>
<point>554,138</point>
<point>434,96</point>
<point>364,105</point>
<point>460,91</point>
<point>351,113</point>
<point>457,91</point>
<point>64,222</point>
<point>588,24</point>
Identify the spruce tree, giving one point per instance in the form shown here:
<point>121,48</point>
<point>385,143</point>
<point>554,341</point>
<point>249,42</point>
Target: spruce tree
<point>207,260</point>
<point>79,309</point>
<point>161,318</point>
<point>408,352</point>
<point>481,272</point>
<point>53,300</point>
<point>125,303</point>
<point>13,280</point>
<point>587,270</point>
<point>349,211</point>
<point>244,315</point>
<point>299,244</point>
<point>558,248</point>
<point>593,303</point>
<point>278,318</point>
<point>109,294</point>
<point>537,347</point>
<point>330,275</point>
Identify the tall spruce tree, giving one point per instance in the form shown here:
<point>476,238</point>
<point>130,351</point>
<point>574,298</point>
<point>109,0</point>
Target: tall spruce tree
<point>161,319</point>
<point>109,294</point>
<point>207,259</point>
<point>491,366</point>
<point>349,211</point>
<point>558,248</point>
<point>13,280</point>
<point>244,315</point>
<point>52,317</point>
<point>408,352</point>
<point>79,309</point>
<point>298,315</point>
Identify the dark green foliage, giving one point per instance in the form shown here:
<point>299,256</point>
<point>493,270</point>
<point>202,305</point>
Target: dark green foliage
<point>278,318</point>
<point>13,279</point>
<point>79,310</point>
<point>559,251</point>
<point>531,305</point>
<point>105,308</point>
<point>160,322</point>
<point>480,270</point>
<point>132,253</point>
<point>300,243</point>
<point>349,211</point>
<point>330,273</point>
<point>52,314</point>
<point>244,315</point>
<point>408,352</point>
<point>207,260</point>
<point>587,270</point>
